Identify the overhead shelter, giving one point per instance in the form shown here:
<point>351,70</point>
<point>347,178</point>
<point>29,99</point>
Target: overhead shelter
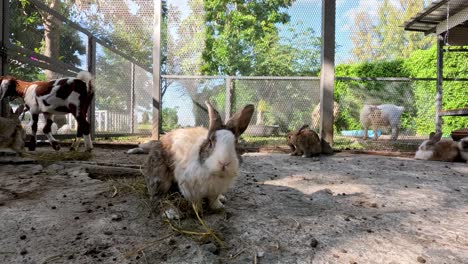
<point>449,20</point>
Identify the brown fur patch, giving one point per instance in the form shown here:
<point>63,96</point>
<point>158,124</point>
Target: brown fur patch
<point>159,168</point>
<point>43,88</point>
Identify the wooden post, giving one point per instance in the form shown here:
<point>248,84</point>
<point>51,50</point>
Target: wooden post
<point>327,75</point>
<point>156,94</point>
<point>439,91</point>
<point>4,31</point>
<point>132,98</point>
<point>229,98</point>
<point>91,59</point>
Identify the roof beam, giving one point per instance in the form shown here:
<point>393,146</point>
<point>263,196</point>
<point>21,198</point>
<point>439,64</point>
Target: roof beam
<point>420,16</point>
<point>460,17</point>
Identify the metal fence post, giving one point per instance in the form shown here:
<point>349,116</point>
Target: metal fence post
<point>4,31</point>
<point>132,98</point>
<point>327,75</point>
<point>91,61</point>
<point>439,91</point>
<point>156,101</point>
<point>229,98</point>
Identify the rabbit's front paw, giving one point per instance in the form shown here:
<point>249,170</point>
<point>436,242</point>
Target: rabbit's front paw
<point>216,203</point>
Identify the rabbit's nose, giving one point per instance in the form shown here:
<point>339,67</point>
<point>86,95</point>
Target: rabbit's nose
<point>223,164</point>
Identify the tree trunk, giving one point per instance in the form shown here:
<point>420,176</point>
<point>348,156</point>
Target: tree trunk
<point>51,36</point>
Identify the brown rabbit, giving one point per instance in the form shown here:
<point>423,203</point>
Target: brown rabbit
<point>463,148</point>
<point>11,132</point>
<point>435,149</point>
<point>304,142</point>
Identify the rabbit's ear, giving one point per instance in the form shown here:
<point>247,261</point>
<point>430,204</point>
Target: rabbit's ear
<point>215,119</point>
<point>239,122</point>
<point>302,128</point>
<point>435,136</point>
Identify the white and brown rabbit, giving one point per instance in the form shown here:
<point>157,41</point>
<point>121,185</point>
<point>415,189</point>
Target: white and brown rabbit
<point>435,149</point>
<point>304,142</point>
<point>202,163</point>
<point>463,148</point>
<point>12,134</point>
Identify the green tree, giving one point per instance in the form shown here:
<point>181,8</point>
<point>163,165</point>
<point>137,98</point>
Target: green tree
<point>422,64</point>
<point>364,46</point>
<point>36,30</point>
<point>385,38</point>
<point>145,118</point>
<point>235,30</point>
<point>169,119</point>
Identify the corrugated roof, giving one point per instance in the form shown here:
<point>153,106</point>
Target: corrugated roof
<point>427,20</point>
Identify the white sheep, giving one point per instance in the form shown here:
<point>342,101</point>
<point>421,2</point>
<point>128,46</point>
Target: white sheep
<point>379,116</point>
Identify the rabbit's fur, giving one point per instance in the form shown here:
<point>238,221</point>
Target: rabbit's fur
<point>304,142</point>
<point>143,148</point>
<point>201,162</point>
<point>435,149</point>
<point>463,148</point>
<point>12,134</point>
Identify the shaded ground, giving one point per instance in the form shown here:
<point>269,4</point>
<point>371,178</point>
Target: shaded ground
<point>346,208</point>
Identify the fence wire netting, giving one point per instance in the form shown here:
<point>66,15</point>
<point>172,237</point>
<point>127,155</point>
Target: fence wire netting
<point>51,41</point>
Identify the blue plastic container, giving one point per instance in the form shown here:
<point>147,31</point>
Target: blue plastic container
<point>359,133</point>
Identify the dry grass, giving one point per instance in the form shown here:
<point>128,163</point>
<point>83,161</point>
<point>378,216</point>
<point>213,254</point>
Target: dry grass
<point>136,186</point>
<point>52,156</point>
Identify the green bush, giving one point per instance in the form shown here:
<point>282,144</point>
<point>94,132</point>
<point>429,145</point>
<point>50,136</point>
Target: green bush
<point>352,95</point>
<point>422,64</point>
<point>417,97</point>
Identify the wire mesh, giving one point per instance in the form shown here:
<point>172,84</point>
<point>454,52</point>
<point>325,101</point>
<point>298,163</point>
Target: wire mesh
<point>142,104</point>
<point>45,39</point>
<point>197,43</point>
<point>114,93</point>
<point>183,101</point>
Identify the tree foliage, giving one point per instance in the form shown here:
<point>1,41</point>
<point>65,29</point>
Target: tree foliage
<point>28,27</point>
<point>236,31</point>
<point>417,97</point>
<point>384,38</point>
<point>422,64</point>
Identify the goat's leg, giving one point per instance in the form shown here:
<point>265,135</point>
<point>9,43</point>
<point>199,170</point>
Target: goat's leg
<point>48,131</point>
<point>75,144</point>
<point>374,128</point>
<point>84,129</point>
<point>366,128</point>
<point>33,140</point>
<point>395,132</point>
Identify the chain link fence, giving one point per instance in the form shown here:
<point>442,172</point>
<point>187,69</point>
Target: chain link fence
<point>194,48</point>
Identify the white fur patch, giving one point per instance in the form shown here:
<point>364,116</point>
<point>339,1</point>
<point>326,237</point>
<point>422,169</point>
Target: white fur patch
<point>210,179</point>
<point>88,143</point>
<point>424,154</point>
<point>50,137</point>
<point>30,99</point>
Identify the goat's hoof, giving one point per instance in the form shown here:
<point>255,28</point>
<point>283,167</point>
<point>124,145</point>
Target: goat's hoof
<point>89,150</point>
<point>72,149</point>
<point>32,147</point>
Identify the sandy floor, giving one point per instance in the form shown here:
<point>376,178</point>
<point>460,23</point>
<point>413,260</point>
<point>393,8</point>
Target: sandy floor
<point>345,208</point>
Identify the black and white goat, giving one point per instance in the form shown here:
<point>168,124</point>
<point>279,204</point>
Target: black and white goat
<point>60,96</point>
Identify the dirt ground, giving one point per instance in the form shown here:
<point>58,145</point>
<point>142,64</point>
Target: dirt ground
<point>345,208</point>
